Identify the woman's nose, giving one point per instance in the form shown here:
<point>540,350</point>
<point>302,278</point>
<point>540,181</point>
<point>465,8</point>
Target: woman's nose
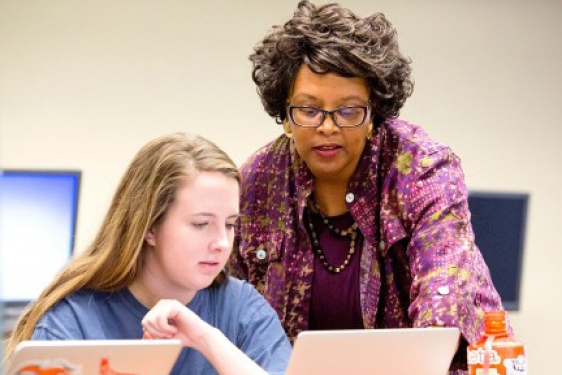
<point>222,241</point>
<point>328,126</point>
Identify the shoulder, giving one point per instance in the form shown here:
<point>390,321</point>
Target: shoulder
<point>239,289</point>
<point>275,153</point>
<point>407,136</point>
<point>246,305</point>
<point>238,296</point>
<point>248,320</point>
<point>77,300</point>
<point>65,319</point>
<point>266,177</point>
<point>86,299</point>
<point>407,149</point>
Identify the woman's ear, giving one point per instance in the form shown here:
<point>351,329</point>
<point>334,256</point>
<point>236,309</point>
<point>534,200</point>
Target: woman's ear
<point>150,238</point>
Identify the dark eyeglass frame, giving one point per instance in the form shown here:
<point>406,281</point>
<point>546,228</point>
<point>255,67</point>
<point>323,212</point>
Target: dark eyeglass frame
<point>325,113</point>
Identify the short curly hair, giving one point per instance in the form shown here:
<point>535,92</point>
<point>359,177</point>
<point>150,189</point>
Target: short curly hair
<point>330,38</point>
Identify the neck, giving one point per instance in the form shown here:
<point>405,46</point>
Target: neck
<point>148,292</point>
<point>330,197</point>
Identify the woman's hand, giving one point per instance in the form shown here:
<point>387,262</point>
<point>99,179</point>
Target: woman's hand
<point>169,319</point>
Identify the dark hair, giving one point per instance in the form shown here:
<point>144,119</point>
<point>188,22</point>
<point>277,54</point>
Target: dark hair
<point>330,38</point>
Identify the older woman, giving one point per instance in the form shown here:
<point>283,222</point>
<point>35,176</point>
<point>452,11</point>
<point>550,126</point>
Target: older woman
<point>353,218</point>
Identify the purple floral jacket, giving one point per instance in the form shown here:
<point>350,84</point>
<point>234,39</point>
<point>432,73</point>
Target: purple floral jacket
<point>419,264</point>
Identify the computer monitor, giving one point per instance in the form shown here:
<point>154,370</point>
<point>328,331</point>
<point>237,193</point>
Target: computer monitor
<point>499,223</point>
<point>38,211</point>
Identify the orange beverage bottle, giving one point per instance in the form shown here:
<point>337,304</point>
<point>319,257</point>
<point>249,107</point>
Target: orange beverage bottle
<point>496,352</point>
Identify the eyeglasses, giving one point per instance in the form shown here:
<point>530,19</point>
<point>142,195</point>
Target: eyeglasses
<point>343,117</point>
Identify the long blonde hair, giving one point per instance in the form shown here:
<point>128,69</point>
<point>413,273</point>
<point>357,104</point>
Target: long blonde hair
<point>143,196</point>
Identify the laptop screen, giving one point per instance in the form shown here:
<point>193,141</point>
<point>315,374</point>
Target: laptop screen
<point>94,357</point>
<point>404,351</point>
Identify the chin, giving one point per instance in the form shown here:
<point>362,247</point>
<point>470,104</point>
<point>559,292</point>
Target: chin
<point>204,283</point>
<point>326,172</point>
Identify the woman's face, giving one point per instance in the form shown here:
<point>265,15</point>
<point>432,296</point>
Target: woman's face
<point>191,246</point>
<point>330,152</point>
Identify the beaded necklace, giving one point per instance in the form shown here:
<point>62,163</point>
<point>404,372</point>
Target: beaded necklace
<point>351,232</point>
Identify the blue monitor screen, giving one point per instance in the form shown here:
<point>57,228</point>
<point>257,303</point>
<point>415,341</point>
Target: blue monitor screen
<point>499,221</point>
<point>37,225</point>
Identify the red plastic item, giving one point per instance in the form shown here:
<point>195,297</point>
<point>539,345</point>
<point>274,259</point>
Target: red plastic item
<point>496,352</point>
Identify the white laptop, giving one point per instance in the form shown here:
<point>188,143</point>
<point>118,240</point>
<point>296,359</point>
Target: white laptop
<point>405,351</point>
<point>94,357</point>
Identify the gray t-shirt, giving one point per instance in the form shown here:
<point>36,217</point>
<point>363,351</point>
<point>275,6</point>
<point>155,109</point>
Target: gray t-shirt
<point>235,308</point>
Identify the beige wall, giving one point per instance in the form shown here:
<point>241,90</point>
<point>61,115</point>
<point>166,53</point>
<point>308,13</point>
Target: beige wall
<point>83,84</point>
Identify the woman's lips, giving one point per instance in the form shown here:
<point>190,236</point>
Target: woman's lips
<point>209,265</point>
<point>327,151</point>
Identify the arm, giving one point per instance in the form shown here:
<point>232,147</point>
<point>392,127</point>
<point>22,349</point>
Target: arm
<point>170,319</point>
<point>451,282</point>
<point>259,332</point>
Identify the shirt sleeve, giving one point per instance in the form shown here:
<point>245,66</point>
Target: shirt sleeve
<point>261,335</point>
<point>451,282</point>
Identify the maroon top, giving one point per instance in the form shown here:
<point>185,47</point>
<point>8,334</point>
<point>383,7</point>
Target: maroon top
<point>335,300</point>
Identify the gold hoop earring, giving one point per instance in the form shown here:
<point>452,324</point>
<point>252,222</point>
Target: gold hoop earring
<point>370,132</point>
<point>287,129</point>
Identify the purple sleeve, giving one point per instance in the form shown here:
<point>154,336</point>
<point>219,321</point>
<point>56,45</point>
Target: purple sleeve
<point>451,283</point>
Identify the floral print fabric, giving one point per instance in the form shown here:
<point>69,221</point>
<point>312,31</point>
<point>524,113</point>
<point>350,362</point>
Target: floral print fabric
<point>419,264</point>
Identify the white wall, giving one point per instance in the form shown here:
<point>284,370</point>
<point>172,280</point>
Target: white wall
<point>84,84</point>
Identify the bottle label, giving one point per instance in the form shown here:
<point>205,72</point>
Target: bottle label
<point>492,371</point>
<point>516,366</point>
<point>482,356</point>
<point>489,362</point>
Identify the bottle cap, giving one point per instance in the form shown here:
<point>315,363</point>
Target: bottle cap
<point>495,321</point>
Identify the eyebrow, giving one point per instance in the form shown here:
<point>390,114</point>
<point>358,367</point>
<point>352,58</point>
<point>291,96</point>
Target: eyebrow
<point>209,214</point>
<point>345,98</point>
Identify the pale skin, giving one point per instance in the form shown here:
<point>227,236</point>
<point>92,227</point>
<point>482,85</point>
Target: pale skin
<point>169,319</point>
<point>186,251</point>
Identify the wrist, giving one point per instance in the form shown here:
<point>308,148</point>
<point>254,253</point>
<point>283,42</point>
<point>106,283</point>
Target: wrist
<point>207,339</point>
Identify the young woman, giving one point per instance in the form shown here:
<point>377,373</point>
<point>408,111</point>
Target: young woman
<point>156,269</point>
